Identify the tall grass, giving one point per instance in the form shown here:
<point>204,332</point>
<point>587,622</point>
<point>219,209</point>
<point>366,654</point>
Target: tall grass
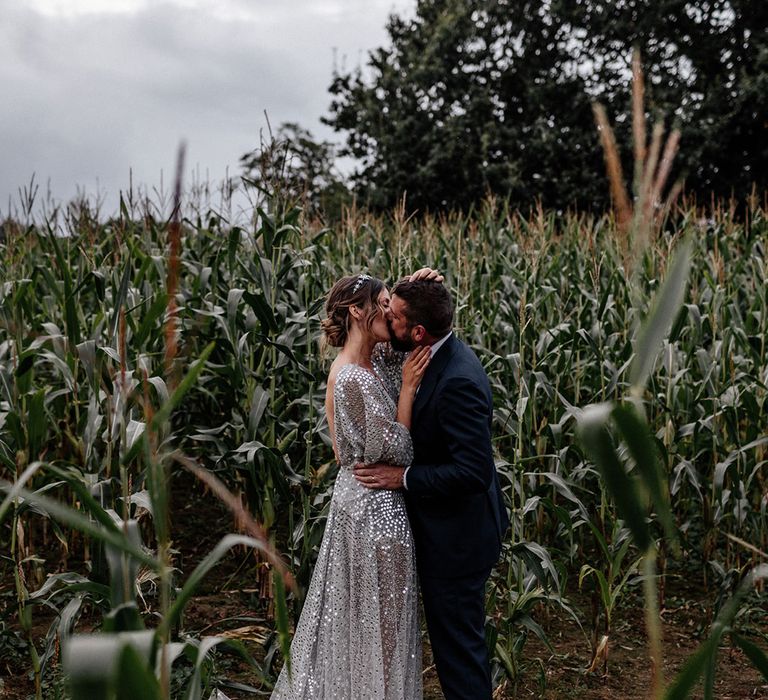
<point>98,407</point>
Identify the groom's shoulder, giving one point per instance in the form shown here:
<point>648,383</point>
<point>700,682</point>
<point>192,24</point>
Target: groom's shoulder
<point>465,361</point>
<point>465,352</point>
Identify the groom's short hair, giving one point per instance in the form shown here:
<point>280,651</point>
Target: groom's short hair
<point>428,304</point>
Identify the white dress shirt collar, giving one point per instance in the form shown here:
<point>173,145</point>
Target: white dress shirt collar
<point>439,343</point>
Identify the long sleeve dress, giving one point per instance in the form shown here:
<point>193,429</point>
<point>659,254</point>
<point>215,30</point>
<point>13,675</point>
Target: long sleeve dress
<point>358,634</point>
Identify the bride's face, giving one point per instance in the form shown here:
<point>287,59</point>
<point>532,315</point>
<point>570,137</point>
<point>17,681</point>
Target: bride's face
<point>379,328</point>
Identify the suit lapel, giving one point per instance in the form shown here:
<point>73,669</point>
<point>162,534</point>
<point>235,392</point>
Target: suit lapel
<point>435,370</point>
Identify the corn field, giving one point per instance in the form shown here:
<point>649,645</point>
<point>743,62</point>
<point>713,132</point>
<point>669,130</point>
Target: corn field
<point>141,348</point>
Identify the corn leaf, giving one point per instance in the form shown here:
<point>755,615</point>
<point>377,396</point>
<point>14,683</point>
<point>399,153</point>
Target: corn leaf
<point>703,661</point>
<point>598,443</point>
<point>78,521</point>
<point>754,653</point>
<point>281,614</point>
<point>641,443</point>
<point>164,413</point>
<point>135,678</point>
<point>197,576</point>
<point>666,306</point>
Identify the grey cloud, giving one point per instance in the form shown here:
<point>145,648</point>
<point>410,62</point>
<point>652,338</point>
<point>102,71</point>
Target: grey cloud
<point>90,96</point>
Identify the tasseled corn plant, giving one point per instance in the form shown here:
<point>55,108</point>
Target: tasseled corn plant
<point>171,338</point>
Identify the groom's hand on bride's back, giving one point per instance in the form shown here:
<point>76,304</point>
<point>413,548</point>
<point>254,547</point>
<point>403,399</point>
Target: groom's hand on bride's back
<point>426,273</point>
<point>379,476</point>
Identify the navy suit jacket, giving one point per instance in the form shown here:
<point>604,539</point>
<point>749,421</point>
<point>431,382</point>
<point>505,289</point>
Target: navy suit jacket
<point>453,495</point>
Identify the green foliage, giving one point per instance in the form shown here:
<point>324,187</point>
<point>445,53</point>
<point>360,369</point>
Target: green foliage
<point>294,166</point>
<point>707,68</point>
<point>541,299</point>
<point>469,97</point>
<point>704,661</point>
<point>629,492</point>
<point>614,577</point>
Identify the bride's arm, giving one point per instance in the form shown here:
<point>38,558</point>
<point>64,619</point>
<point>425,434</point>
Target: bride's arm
<point>388,472</point>
<point>329,414</point>
<point>388,364</point>
<point>365,417</point>
<point>413,371</point>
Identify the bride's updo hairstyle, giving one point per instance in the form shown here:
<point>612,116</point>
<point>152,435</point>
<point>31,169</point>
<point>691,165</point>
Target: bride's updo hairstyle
<point>356,290</point>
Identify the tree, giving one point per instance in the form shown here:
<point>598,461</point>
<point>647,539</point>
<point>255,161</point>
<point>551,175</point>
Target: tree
<point>295,166</point>
<point>707,68</point>
<point>468,99</point>
<point>495,95</point>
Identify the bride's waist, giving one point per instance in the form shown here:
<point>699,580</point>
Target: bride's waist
<point>346,481</point>
<point>348,468</point>
<point>347,471</point>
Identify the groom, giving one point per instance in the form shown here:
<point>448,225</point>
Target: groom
<point>452,489</point>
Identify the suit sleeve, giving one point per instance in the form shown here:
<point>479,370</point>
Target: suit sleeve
<point>463,415</point>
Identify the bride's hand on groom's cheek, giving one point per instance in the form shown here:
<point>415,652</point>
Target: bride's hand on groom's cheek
<point>379,476</point>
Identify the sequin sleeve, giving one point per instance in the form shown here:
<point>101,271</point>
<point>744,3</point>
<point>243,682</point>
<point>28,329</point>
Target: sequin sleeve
<point>365,420</point>
<point>388,364</point>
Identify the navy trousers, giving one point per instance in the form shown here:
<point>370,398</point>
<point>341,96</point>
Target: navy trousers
<point>455,612</point>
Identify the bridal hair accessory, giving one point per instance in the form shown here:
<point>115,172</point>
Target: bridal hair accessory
<point>361,280</point>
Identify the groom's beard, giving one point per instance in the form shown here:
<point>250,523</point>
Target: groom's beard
<point>401,344</point>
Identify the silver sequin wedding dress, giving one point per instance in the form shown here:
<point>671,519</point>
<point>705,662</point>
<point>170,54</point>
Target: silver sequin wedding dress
<point>358,635</point>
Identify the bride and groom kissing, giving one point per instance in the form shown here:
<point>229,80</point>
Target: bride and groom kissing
<point>416,503</point>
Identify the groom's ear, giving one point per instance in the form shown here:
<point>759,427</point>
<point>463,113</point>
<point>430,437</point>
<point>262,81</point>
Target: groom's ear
<point>418,333</point>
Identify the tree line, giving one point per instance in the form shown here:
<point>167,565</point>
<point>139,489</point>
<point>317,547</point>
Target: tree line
<point>471,97</point>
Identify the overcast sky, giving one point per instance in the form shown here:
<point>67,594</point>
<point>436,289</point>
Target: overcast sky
<point>92,88</point>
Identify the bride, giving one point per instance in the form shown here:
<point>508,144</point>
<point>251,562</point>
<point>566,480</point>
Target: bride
<point>358,633</point>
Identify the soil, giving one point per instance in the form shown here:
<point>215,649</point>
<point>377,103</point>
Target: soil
<point>230,602</point>
<point>628,671</point>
